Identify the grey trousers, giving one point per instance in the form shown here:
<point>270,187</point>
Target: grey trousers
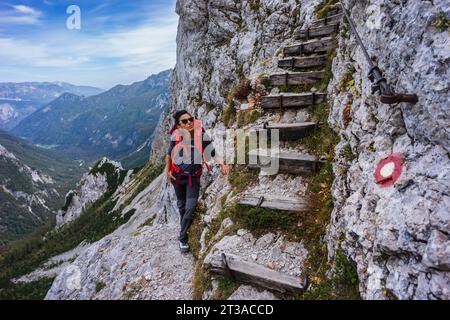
<point>187,198</point>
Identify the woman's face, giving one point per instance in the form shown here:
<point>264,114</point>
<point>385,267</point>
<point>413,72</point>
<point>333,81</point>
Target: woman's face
<point>186,122</point>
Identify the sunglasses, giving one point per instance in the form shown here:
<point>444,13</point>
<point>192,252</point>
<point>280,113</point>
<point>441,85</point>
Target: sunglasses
<point>186,121</point>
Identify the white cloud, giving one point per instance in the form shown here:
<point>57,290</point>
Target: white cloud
<point>122,56</point>
<point>21,14</point>
<point>25,53</point>
<point>26,9</point>
<point>104,59</point>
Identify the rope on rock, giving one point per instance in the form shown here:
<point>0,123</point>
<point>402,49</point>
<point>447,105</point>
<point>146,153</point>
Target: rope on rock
<point>388,95</point>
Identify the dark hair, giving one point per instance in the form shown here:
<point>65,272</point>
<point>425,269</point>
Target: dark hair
<point>177,115</point>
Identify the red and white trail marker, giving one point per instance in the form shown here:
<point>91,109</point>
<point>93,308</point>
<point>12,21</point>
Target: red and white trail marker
<point>389,170</point>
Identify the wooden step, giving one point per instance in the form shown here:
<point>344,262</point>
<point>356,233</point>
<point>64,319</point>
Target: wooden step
<point>327,21</point>
<point>295,78</point>
<point>277,203</point>
<point>288,161</point>
<point>292,100</point>
<point>308,47</point>
<point>248,272</point>
<point>292,131</point>
<point>322,31</point>
<point>303,62</point>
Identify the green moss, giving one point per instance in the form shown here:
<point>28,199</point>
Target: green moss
<point>99,286</point>
<point>229,115</point>
<point>136,233</point>
<point>201,281</point>
<point>149,221</point>
<point>241,177</point>
<point>345,29</point>
<point>441,22</point>
<point>319,142</point>
<point>225,288</point>
<point>372,148</point>
<point>328,73</point>
<point>348,81</point>
<point>240,71</point>
<point>254,5</point>
<point>195,231</point>
<point>209,106</point>
<point>265,81</point>
<point>348,153</point>
<point>343,285</point>
<point>262,220</point>
<point>245,117</point>
<point>322,10</point>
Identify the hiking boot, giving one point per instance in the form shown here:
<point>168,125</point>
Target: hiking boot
<point>184,247</point>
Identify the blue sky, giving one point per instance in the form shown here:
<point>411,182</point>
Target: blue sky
<point>119,42</point>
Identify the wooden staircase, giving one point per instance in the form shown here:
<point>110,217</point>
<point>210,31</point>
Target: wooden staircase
<point>315,32</point>
<point>303,62</point>
<point>309,47</point>
<point>296,78</point>
<point>288,161</point>
<point>332,19</point>
<point>249,272</point>
<point>292,100</point>
<point>273,202</point>
<point>298,60</point>
<point>293,131</point>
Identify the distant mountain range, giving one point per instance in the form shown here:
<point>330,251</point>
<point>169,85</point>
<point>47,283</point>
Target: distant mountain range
<point>33,185</point>
<point>18,100</point>
<point>116,123</point>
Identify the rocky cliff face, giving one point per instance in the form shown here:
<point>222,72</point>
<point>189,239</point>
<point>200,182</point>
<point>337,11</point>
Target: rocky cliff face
<point>397,236</point>
<point>92,186</point>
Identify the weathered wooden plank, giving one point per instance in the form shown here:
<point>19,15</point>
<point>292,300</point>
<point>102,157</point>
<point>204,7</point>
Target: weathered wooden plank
<point>293,131</point>
<point>285,204</point>
<point>296,78</point>
<point>253,273</point>
<point>288,162</point>
<point>321,31</point>
<point>292,100</point>
<point>326,21</point>
<point>303,62</point>
<point>308,47</point>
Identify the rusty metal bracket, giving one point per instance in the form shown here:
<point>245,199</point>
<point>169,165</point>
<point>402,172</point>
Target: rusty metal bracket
<point>387,94</point>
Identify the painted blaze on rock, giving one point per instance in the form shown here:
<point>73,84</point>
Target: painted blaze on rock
<point>389,170</point>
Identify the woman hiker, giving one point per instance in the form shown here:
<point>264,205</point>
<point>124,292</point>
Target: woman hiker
<point>189,148</point>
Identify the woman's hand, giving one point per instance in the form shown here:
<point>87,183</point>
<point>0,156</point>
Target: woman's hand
<point>225,168</point>
<point>170,176</point>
